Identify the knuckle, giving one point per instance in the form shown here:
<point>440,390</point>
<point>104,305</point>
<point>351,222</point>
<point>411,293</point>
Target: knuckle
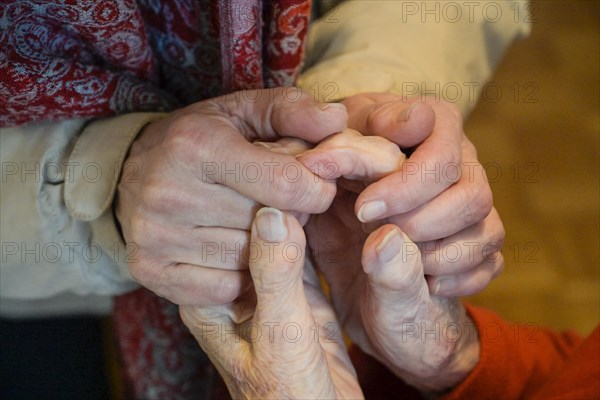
<point>177,142</point>
<point>412,228</point>
<point>492,252</point>
<point>152,193</point>
<point>293,193</point>
<point>160,196</point>
<point>483,278</point>
<point>496,241</point>
<point>140,229</point>
<point>288,192</point>
<point>383,146</point>
<point>226,290</point>
<point>479,280</point>
<point>479,202</point>
<point>185,137</point>
<point>345,138</point>
<point>450,157</point>
<point>498,235</point>
<point>183,125</point>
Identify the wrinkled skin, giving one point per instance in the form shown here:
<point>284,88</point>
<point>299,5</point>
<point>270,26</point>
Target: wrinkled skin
<point>193,182</point>
<point>164,212</point>
<point>281,338</point>
<point>380,294</point>
<point>176,176</point>
<point>440,198</point>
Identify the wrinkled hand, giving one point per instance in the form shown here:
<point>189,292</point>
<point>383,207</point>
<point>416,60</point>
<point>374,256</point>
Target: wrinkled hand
<point>360,299</point>
<point>280,339</point>
<point>428,341</point>
<point>193,182</point>
<point>441,198</point>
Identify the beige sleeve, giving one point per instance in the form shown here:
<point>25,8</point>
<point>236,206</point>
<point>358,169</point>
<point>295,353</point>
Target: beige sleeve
<point>443,48</point>
<point>59,236</point>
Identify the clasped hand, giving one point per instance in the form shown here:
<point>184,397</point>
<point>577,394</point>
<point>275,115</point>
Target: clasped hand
<point>185,199</point>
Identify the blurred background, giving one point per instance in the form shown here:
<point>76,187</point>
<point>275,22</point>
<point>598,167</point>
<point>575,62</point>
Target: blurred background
<point>543,136</point>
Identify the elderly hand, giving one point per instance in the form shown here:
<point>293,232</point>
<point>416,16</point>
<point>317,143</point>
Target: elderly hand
<point>440,198</point>
<point>280,339</point>
<point>360,296</point>
<point>428,341</point>
<point>193,182</point>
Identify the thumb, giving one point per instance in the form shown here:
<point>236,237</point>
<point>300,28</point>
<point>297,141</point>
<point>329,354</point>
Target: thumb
<point>276,265</point>
<point>406,122</point>
<point>394,271</point>
<point>282,311</point>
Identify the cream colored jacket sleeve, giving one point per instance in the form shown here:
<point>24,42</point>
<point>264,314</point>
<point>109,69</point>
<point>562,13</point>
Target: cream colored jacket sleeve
<point>60,244</point>
<point>446,49</point>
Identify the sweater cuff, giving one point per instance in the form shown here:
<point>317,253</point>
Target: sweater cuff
<point>91,181</point>
<point>96,161</point>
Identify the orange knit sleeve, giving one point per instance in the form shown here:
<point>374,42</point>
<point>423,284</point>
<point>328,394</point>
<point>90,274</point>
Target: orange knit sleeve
<point>516,360</point>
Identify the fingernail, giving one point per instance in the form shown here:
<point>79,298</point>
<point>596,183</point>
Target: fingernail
<point>389,246</point>
<point>371,210</point>
<point>332,106</point>
<point>270,225</point>
<point>405,114</point>
<point>444,285</point>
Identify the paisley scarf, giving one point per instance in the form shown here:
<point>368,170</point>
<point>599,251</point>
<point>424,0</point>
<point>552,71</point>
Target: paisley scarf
<point>96,58</point>
<point>93,58</point>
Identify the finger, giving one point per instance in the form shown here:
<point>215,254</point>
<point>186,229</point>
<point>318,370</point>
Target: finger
<point>214,247</point>
<point>404,122</point>
<point>465,203</point>
<point>289,146</point>
<point>221,248</point>
<point>464,250</point>
<point>423,175</point>
<point>272,113</point>
<point>394,270</point>
<point>277,270</point>
<point>193,204</point>
<point>269,178</point>
<point>469,282</point>
<point>276,266</point>
<point>192,285</point>
<point>353,156</point>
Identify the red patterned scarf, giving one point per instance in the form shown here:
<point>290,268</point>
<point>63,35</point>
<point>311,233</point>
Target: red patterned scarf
<point>92,58</point>
<point>96,58</point>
